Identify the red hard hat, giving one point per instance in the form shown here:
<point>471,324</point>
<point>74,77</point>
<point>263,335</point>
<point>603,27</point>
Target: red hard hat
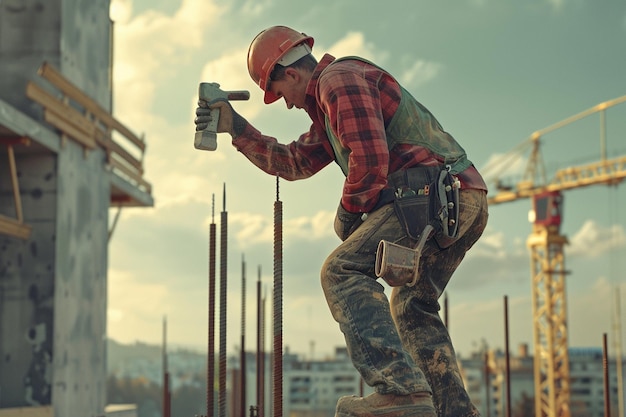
<point>275,45</point>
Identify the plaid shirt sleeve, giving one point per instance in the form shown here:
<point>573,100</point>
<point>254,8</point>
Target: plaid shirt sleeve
<point>299,159</point>
<point>353,105</point>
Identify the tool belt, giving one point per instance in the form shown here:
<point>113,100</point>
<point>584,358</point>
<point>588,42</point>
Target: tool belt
<point>427,196</point>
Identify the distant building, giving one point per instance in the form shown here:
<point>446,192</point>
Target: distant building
<point>587,383</point>
<point>311,387</point>
<point>485,378</point>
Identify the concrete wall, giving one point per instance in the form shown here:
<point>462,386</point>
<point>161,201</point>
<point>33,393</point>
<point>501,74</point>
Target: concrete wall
<point>53,286</point>
<point>27,274</point>
<point>72,35</point>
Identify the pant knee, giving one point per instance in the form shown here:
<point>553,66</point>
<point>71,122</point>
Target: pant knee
<point>326,272</point>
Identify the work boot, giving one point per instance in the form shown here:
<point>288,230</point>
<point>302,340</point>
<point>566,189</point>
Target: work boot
<point>387,405</point>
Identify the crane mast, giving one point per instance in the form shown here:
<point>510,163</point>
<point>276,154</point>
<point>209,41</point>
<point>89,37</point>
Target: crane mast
<point>551,365</point>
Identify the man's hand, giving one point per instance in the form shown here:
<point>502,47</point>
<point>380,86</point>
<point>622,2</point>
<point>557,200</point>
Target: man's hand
<point>229,120</point>
<point>346,223</point>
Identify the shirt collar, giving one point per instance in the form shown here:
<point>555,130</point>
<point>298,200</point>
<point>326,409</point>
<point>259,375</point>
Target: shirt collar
<point>312,86</point>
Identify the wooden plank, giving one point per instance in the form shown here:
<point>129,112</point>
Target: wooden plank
<point>16,188</point>
<point>126,156</point>
<point>76,134</point>
<point>40,411</point>
<point>134,176</point>
<point>15,140</point>
<point>48,72</point>
<point>62,116</point>
<point>12,227</point>
<point>86,122</point>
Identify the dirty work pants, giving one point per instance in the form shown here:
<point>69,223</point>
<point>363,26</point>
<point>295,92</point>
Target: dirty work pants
<point>401,345</point>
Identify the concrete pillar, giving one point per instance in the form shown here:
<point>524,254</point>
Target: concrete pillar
<point>53,286</point>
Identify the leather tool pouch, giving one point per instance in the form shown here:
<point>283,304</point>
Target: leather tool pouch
<point>414,206</point>
<point>427,195</point>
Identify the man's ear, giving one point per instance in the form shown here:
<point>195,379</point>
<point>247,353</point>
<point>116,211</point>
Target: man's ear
<point>292,73</point>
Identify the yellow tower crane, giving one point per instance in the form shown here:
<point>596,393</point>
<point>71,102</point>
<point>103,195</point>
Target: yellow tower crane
<point>546,243</point>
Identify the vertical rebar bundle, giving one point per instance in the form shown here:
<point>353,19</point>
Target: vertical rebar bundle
<point>243,338</point>
<point>223,287</point>
<point>278,305</point>
<point>210,378</point>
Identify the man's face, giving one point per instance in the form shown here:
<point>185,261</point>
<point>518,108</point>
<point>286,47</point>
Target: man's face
<point>292,88</point>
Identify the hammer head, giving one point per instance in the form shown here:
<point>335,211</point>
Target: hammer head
<point>207,139</point>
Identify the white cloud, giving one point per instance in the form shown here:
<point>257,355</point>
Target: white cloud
<point>150,48</point>
<point>320,225</point>
<point>504,167</point>
<point>253,228</point>
<point>253,7</point>
<point>121,11</point>
<point>592,240</point>
<point>490,245</point>
<point>354,44</point>
<point>420,73</point>
<point>258,228</point>
<point>230,71</point>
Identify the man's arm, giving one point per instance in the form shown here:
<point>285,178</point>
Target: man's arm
<point>299,159</point>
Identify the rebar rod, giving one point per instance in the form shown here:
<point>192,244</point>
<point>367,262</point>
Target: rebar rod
<point>223,288</point>
<point>605,373</point>
<point>278,308</point>
<point>210,378</point>
<point>166,376</point>
<point>243,338</point>
<point>507,356</point>
<point>263,355</point>
<point>259,348</point>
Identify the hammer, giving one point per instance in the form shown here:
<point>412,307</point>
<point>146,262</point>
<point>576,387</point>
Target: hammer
<point>207,139</point>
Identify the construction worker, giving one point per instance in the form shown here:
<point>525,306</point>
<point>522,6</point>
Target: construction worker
<point>393,153</point>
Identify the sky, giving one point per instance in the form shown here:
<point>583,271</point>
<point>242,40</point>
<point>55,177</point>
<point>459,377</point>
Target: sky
<point>492,71</point>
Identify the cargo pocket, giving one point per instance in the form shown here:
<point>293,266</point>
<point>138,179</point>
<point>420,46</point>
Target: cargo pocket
<point>414,213</point>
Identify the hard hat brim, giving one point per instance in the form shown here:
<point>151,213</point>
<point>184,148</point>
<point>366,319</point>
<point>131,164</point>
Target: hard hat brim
<point>269,97</point>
